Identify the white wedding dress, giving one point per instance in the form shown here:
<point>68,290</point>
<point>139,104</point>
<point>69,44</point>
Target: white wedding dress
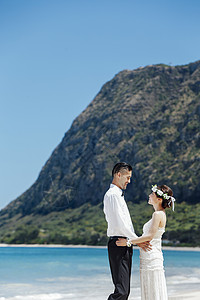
<point>152,277</point>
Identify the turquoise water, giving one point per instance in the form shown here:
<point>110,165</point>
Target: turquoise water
<point>37,273</point>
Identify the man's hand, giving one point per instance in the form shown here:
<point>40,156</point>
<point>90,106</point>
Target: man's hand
<point>146,246</point>
<point>121,242</point>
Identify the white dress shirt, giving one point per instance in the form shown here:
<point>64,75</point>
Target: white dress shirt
<point>117,214</point>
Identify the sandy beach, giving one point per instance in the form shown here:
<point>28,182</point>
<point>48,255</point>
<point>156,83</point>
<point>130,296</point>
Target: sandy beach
<point>98,247</point>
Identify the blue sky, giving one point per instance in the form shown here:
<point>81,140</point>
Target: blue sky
<point>56,55</point>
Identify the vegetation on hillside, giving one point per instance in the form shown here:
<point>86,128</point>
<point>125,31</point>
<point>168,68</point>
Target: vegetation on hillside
<point>86,225</point>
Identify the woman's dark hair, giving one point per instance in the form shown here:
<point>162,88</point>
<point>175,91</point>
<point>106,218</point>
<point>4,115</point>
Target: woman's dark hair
<point>121,166</point>
<point>166,190</point>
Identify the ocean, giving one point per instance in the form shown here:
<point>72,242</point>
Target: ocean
<point>63,273</point>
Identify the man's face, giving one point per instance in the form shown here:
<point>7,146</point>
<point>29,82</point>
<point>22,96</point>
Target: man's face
<point>124,178</point>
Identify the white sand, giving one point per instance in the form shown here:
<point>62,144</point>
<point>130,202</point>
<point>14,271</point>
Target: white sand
<point>50,246</point>
<point>86,246</point>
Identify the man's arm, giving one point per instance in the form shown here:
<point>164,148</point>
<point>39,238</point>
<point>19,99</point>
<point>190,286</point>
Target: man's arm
<point>146,238</point>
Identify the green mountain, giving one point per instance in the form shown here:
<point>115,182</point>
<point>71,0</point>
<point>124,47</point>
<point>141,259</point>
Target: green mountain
<point>149,117</point>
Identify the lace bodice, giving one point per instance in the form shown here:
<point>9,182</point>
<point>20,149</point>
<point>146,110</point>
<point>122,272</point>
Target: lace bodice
<point>159,232</point>
<point>156,252</point>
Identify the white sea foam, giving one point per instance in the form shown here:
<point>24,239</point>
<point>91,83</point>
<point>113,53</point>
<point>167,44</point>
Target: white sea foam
<point>55,296</point>
<point>183,280</point>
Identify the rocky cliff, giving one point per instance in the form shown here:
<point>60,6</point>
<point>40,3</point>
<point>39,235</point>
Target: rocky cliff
<point>148,117</point>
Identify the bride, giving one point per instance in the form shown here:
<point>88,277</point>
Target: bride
<point>152,278</point>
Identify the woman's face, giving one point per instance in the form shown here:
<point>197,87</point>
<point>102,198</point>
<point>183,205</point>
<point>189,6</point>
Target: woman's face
<point>153,199</point>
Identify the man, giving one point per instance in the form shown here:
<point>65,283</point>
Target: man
<point>119,225</point>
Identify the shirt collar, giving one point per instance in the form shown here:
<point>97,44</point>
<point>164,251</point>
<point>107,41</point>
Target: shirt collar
<point>114,186</point>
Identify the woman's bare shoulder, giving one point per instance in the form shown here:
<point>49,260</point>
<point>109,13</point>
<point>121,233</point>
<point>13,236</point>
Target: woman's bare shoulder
<point>159,214</point>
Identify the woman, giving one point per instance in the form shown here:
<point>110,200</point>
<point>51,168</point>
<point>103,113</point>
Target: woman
<point>152,278</point>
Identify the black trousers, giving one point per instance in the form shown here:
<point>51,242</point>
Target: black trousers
<point>120,259</point>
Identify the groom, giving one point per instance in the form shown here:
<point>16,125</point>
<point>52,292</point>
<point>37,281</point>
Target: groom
<point>120,225</point>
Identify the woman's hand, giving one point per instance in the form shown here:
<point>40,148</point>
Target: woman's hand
<point>121,242</point>
<point>146,246</point>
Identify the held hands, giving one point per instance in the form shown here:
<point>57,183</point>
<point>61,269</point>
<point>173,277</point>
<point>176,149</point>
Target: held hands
<point>146,246</point>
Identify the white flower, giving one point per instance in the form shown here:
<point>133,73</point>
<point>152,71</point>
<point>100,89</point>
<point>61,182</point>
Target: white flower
<point>154,188</point>
<point>165,196</point>
<point>159,192</point>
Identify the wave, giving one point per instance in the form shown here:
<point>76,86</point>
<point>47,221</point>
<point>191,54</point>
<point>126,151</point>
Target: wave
<point>54,296</point>
<point>183,279</point>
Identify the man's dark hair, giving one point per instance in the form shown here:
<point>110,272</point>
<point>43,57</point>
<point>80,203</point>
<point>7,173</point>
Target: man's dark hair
<point>121,166</point>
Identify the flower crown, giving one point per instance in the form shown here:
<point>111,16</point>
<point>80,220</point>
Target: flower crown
<point>164,195</point>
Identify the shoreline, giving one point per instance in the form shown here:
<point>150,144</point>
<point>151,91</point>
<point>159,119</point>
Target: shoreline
<point>195,249</point>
